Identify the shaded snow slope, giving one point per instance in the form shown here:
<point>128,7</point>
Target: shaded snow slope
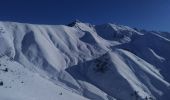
<point>154,48</point>
<point>122,73</point>
<point>99,62</point>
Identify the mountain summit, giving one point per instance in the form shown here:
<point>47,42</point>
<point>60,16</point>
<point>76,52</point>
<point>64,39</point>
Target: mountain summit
<point>81,61</point>
<point>74,22</point>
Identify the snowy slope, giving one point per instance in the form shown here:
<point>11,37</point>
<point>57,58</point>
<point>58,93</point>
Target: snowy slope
<point>21,84</point>
<point>120,73</point>
<point>80,60</point>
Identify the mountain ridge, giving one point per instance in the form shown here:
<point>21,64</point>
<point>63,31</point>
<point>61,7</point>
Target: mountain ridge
<point>67,56</point>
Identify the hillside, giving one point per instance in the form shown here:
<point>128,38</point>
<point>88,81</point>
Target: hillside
<point>83,61</point>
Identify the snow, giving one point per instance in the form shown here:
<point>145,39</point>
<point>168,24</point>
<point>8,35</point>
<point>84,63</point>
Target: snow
<point>83,61</point>
<point>123,75</point>
<point>21,84</point>
<point>157,56</point>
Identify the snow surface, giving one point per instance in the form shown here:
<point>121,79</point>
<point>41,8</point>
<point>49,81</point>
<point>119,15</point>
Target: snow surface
<point>83,61</point>
<point>21,84</point>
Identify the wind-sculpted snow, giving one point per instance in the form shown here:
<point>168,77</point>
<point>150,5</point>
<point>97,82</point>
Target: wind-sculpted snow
<point>99,62</point>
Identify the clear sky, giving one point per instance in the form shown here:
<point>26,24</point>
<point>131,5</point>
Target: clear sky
<point>144,14</point>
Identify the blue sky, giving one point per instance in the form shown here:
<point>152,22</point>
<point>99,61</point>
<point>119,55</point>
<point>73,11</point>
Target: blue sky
<point>143,14</point>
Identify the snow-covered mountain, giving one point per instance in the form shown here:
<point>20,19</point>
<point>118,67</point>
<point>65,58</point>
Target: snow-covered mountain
<point>80,61</point>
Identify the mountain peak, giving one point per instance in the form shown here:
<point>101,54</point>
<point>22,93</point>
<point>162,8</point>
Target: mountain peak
<point>74,23</point>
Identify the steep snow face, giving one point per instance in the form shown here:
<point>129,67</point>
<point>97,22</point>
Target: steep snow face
<point>99,62</point>
<point>6,42</point>
<point>51,47</point>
